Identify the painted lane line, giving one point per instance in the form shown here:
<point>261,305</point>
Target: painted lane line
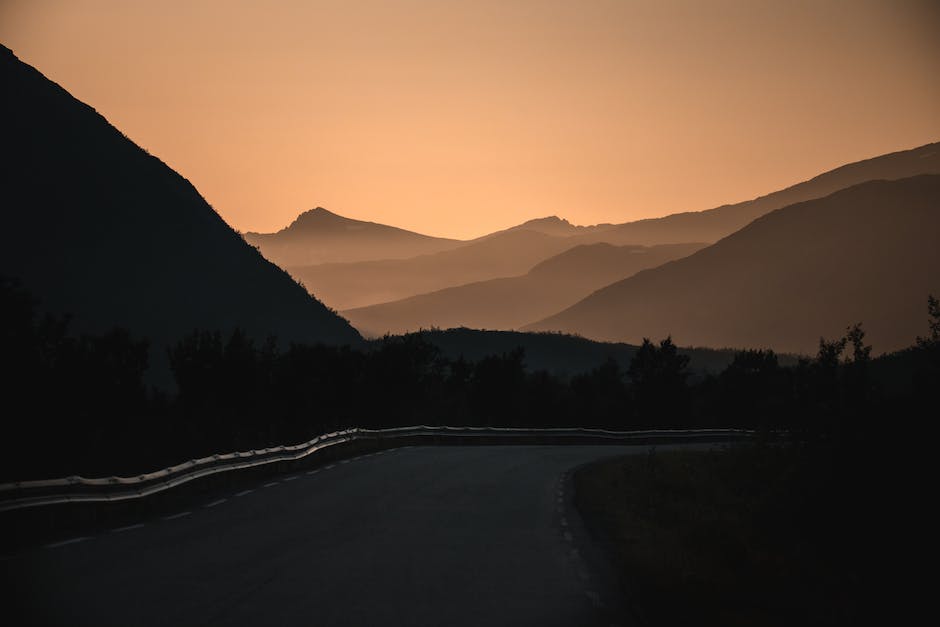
<point>328,467</point>
<point>56,545</point>
<point>244,492</point>
<point>214,503</point>
<point>291,478</point>
<point>313,472</point>
<point>272,484</point>
<point>175,516</point>
<point>127,528</point>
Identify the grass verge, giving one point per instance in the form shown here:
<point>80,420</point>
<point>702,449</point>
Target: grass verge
<point>745,536</point>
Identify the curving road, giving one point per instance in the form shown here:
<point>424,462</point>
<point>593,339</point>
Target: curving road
<point>476,535</point>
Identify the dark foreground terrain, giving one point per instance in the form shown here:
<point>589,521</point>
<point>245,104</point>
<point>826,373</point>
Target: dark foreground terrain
<point>416,536</point>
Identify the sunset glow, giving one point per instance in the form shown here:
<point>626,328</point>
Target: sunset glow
<point>459,118</point>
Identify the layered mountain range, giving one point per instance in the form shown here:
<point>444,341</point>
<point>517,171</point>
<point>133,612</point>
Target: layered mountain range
<point>98,228</point>
<point>509,303</point>
<point>864,254</point>
<point>532,276</point>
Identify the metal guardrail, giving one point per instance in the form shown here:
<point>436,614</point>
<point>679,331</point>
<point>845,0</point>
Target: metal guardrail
<point>26,494</point>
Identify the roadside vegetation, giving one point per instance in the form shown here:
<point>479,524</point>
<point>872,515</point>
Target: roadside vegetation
<point>78,404</point>
<point>749,536</point>
<point>804,526</point>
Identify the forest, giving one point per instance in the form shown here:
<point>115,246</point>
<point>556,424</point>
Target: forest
<point>79,404</point>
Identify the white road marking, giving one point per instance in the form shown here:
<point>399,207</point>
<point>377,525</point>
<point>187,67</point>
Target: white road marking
<point>244,492</point>
<point>291,478</point>
<point>214,503</point>
<point>313,472</point>
<point>127,528</point>
<point>175,516</point>
<point>56,545</point>
<point>272,484</point>
<point>328,467</point>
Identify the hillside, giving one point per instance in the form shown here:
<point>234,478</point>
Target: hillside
<point>555,226</point>
<point>713,224</point>
<point>347,286</point>
<point>96,227</point>
<point>320,236</point>
<point>513,251</point>
<point>507,303</point>
<point>865,254</point>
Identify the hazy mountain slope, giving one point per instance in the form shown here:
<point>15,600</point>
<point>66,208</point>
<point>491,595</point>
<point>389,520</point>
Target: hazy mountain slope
<point>320,236</point>
<point>865,254</point>
<point>555,226</point>
<point>96,227</point>
<point>357,285</point>
<point>507,303</point>
<point>713,224</point>
<point>346,286</point>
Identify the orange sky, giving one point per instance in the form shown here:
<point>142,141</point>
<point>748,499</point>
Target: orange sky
<point>457,118</point>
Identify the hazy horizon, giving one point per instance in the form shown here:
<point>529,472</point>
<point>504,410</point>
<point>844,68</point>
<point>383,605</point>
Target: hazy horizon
<point>456,120</point>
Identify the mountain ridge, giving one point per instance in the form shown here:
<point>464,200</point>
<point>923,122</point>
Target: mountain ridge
<point>509,302</point>
<point>98,228</point>
<point>862,254</point>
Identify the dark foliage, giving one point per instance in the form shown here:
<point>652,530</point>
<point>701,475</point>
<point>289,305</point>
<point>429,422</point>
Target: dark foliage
<point>83,406</point>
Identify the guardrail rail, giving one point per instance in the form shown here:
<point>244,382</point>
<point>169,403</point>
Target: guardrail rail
<point>27,494</point>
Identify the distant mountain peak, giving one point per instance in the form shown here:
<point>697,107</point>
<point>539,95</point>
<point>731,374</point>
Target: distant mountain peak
<point>546,221</point>
<point>316,216</point>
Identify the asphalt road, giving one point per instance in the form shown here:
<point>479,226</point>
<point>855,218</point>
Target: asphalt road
<point>476,535</point>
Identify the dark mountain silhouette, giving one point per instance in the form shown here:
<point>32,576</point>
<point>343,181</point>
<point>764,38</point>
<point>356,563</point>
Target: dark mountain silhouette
<point>508,303</point>
<point>97,228</point>
<point>320,236</point>
<point>865,254</point>
<point>713,224</point>
<point>346,286</point>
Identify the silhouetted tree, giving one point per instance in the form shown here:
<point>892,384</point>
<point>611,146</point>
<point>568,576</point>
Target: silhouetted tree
<point>754,390</point>
<point>933,322</point>
<point>854,335</point>
<point>658,382</point>
<point>926,377</point>
<point>496,388</point>
<point>601,396</point>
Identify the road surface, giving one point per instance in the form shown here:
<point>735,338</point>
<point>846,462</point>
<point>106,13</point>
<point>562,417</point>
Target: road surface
<point>474,535</point>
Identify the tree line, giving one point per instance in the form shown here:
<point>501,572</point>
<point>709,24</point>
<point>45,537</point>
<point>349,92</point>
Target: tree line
<point>79,404</point>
